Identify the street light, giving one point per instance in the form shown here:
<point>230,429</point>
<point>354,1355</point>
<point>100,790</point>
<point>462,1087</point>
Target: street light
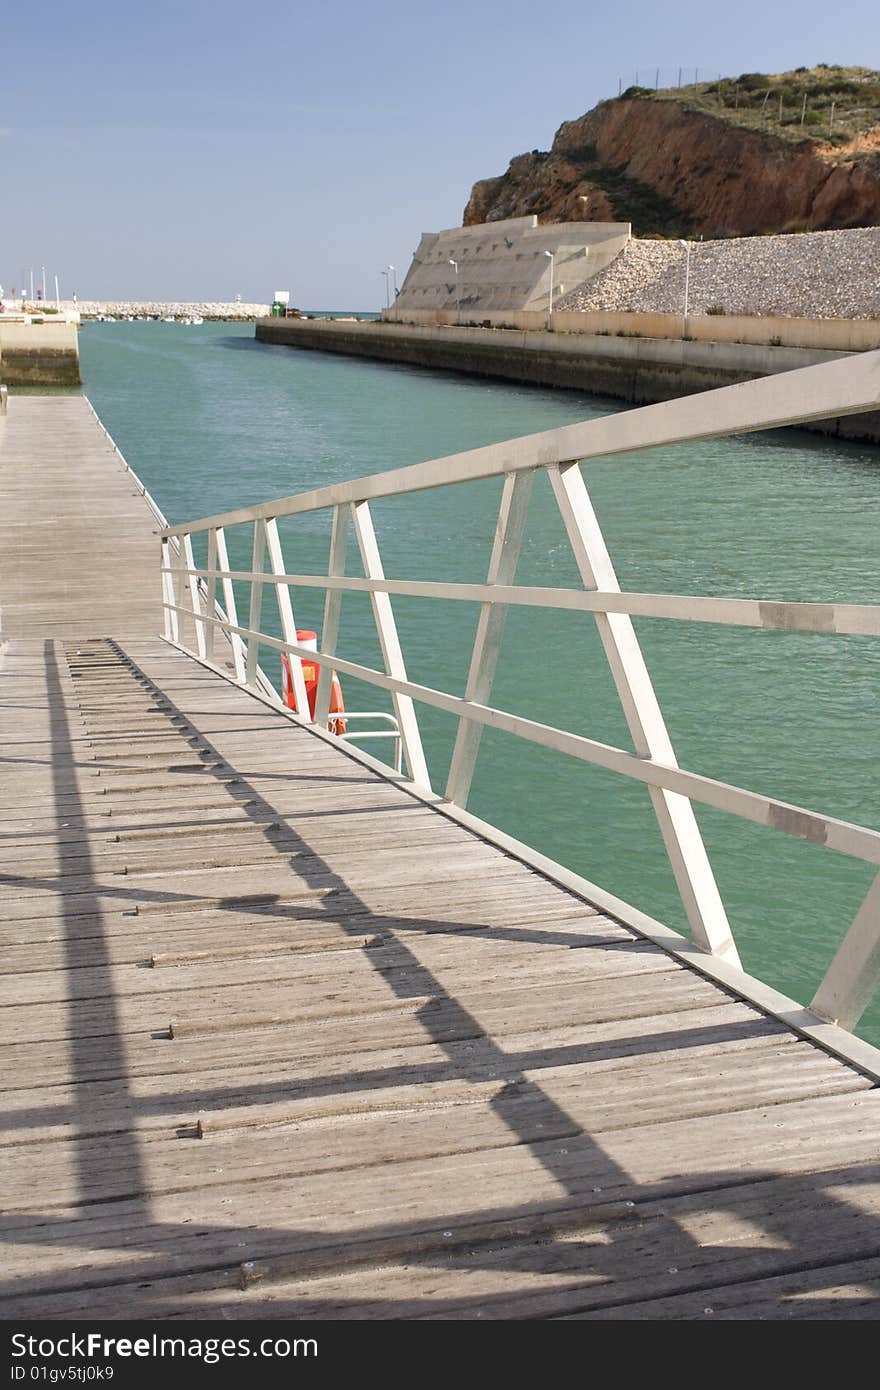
<point>454,264</point>
<point>686,247</point>
<point>387,290</point>
<point>552,260</point>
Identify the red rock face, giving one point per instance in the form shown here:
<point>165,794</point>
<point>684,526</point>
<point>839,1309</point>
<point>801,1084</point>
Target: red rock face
<point>672,171</point>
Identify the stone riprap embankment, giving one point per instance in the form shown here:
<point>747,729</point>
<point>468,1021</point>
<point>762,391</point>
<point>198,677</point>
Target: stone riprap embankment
<point>119,308</point>
<point>806,275</point>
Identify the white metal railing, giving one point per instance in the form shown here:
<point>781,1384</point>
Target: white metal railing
<point>363,735</point>
<point>190,596</point>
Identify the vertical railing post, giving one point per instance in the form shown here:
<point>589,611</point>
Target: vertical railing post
<point>288,623</point>
<point>490,628</point>
<point>386,627</point>
<point>178,585</point>
<point>195,596</point>
<point>172,626</point>
<point>332,609</point>
<point>675,814</point>
<point>229,606</point>
<point>851,979</point>
<point>211,593</point>
<point>256,606</point>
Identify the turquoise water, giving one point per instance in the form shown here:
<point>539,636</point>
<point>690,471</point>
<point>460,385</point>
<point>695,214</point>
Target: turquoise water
<point>212,420</point>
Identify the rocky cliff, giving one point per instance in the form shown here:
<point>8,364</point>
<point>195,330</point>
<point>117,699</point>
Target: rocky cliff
<point>675,168</point>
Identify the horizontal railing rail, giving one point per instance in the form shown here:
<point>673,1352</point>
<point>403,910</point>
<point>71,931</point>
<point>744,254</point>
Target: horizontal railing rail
<point>852,619</point>
<point>191,598</point>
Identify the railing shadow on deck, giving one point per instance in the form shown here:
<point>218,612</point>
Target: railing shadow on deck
<point>594,1190</point>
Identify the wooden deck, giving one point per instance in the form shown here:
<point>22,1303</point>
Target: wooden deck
<point>69,511</point>
<point>281,1040</point>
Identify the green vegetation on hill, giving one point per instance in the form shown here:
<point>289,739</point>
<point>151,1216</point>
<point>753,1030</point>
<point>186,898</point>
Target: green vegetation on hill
<point>826,104</point>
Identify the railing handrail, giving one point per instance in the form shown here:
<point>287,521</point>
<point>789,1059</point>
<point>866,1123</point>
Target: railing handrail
<point>828,390</point>
<point>845,387</point>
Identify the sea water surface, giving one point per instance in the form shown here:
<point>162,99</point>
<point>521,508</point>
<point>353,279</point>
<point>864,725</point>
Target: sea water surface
<point>212,420</point>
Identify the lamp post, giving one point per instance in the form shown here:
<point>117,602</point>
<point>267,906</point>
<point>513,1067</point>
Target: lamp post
<point>552,259</point>
<point>387,290</point>
<point>686,247</point>
<point>454,265</point>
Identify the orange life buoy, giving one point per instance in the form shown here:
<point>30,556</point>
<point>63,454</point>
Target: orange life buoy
<point>310,674</point>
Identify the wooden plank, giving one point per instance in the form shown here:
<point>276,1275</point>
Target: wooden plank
<point>276,1217</point>
<point>225,935</point>
<point>302,992</point>
<point>521,1130</point>
<point>629,1010</point>
<point>516,1277</point>
<point>451,958</point>
<point>200,1080</point>
<point>830,1293</point>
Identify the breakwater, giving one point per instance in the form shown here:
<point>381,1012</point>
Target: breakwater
<point>232,310</point>
<point>634,369</point>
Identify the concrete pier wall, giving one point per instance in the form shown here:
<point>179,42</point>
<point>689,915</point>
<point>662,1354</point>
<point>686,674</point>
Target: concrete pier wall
<point>640,370</point>
<point>39,354</point>
<point>832,335</point>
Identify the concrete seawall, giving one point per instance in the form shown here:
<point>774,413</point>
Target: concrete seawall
<point>640,370</point>
<point>764,330</point>
<point>39,354</point>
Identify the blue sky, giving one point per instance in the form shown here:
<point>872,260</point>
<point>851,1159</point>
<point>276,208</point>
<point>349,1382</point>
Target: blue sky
<point>199,150</point>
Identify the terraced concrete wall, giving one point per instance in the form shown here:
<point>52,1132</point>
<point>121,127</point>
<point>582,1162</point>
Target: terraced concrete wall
<point>503,266</point>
